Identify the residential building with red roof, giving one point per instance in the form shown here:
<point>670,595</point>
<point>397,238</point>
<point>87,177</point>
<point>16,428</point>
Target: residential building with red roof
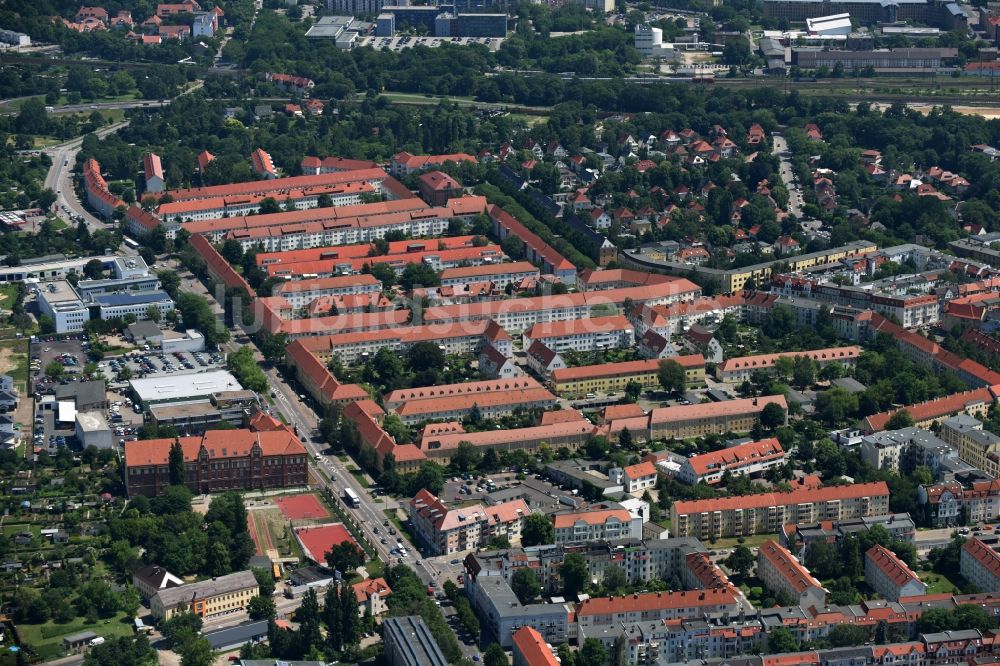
<point>99,13</point>
<point>780,571</point>
<point>536,250</point>
<point>499,274</point>
<point>980,564</point>
<point>746,515</point>
<point>976,403</point>
<point>219,460</point>
<point>204,158</point>
<point>186,7</point>
<point>436,187</point>
<point>99,196</point>
<point>611,378</point>
<point>582,335</point>
<point>318,381</point>
<point>262,164</point>
<point>298,85</point>
<point>618,278</point>
<point>153,170</point>
<point>686,421</point>
<point>493,398</point>
<point>637,478</point>
<point>403,163</point>
<point>175,32</point>
<point>447,531</point>
<point>890,576</point>
<point>749,459</point>
<point>974,494</point>
<point>598,524</point>
<point>314,166</point>
<point>592,614</point>
<point>140,223</point>
<point>530,649</point>
<point>302,292</point>
<point>739,369</point>
<point>371,595</point>
<point>441,444</point>
<point>543,360</point>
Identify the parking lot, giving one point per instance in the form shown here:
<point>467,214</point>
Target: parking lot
<point>153,363</point>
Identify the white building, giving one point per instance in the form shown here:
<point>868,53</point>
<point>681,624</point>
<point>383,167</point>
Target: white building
<point>748,459</point>
<point>889,576</point>
<point>980,565</point>
<point>582,335</point>
<point>600,525</point>
<point>602,6</point>
<point>153,168</point>
<point>649,43</point>
<point>93,429</point>
<point>780,571</point>
<point>635,478</point>
<point>12,38</point>
<point>204,25</point>
<point>824,26</point>
<point>60,301</point>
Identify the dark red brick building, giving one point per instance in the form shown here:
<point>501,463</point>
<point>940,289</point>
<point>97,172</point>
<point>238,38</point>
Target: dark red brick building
<point>219,460</point>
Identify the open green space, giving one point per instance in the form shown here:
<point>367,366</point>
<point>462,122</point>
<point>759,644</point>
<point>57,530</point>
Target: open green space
<point>46,639</point>
<point>936,583</point>
<point>750,541</point>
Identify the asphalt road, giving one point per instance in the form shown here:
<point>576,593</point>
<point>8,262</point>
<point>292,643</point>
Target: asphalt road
<point>785,170</point>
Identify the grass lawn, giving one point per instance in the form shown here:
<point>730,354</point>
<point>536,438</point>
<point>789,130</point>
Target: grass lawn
<point>750,541</point>
<point>46,639</point>
<point>375,568</point>
<point>360,476</point>
<point>936,583</point>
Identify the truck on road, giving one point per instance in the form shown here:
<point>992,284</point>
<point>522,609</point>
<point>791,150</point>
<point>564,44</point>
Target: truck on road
<point>351,498</point>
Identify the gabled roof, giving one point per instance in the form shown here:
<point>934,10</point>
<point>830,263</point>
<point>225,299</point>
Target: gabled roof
<point>737,456</point>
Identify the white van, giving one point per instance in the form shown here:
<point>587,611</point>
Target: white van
<point>94,642</point>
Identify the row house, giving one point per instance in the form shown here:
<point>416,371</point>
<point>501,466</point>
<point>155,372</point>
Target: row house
<point>196,210</point>
<point>440,442</point>
<point>536,250</point>
<point>976,402</point>
<point>754,514</point>
<point>403,163</point>
<point>314,166</point>
<point>297,85</point>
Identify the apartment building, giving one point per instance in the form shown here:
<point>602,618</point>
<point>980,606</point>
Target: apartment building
<point>686,421</point>
<point>889,576</point>
<point>975,403</point>
<point>440,443</point>
<point>611,378</point>
<point>492,399</point>
<point>519,314</point>
<point>274,314</point>
<point>905,448</point>
<point>219,460</point>
<point>780,571</point>
<point>502,614</point>
<point>153,171</point>
<point>301,293</point>
<point>447,531</point>
<point>597,525</point>
<point>976,446</point>
<point>314,166</point>
<point>740,369</point>
<point>372,595</point>
<point>798,538</point>
<point>99,197</point>
<point>593,614</point>
<point>617,278</point>
<point>755,514</point>
<point>207,598</point>
<point>749,459</point>
<point>910,310</point>
<point>973,496</point>
<point>317,379</point>
<point>403,163</point>
<point>500,275</point>
<point>262,164</point>
<point>980,564</point>
<point>582,335</point>
<point>536,250</point>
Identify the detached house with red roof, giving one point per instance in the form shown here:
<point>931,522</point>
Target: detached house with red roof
<point>263,165</point>
<point>153,169</point>
<point>219,460</point>
<point>635,478</point>
<point>371,595</point>
<point>403,163</point>
<point>436,187</point>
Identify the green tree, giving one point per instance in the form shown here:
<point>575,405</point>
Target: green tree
<point>615,580</point>
<point>593,653</point>
<point>153,314</point>
<point>740,561</point>
<point>175,464</point>
<point>836,405</point>
<point>574,574</point>
<point>803,372</point>
<point>848,635</point>
<point>494,656</point>
<point>345,557</point>
<point>633,390</point>
<point>262,608</point>
<point>672,376</point>
<point>466,458</point>
<point>772,416</point>
<point>781,640</point>
<point>899,420</point>
<point>525,585</point>
<point>265,581</point>
<point>94,269</point>
<point>537,530</point>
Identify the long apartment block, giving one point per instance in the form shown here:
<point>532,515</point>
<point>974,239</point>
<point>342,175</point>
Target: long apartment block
<point>747,515</point>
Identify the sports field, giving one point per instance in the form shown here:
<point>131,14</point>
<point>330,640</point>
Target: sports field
<point>318,540</point>
<point>302,507</point>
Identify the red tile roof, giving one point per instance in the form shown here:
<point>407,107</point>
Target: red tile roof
<point>323,284</point>
<point>639,471</point>
<point>489,269</point>
<point>364,590</point>
<point>768,360</point>
<point>152,166</point>
<point>570,327</point>
<point>893,567</point>
<point>600,517</point>
<point>655,601</point>
<point>799,496</point>
<point>737,456</point>
<point>934,409</point>
<point>788,567</point>
<point>987,558</point>
<point>533,649</point>
<point>220,444</point>
<point>336,163</point>
<point>623,368</point>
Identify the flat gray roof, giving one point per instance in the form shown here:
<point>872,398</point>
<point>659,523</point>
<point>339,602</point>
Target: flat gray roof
<point>413,640</point>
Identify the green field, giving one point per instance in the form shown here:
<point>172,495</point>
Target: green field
<point>750,541</point>
<point>46,639</point>
<point>18,361</point>
<point>936,583</point>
